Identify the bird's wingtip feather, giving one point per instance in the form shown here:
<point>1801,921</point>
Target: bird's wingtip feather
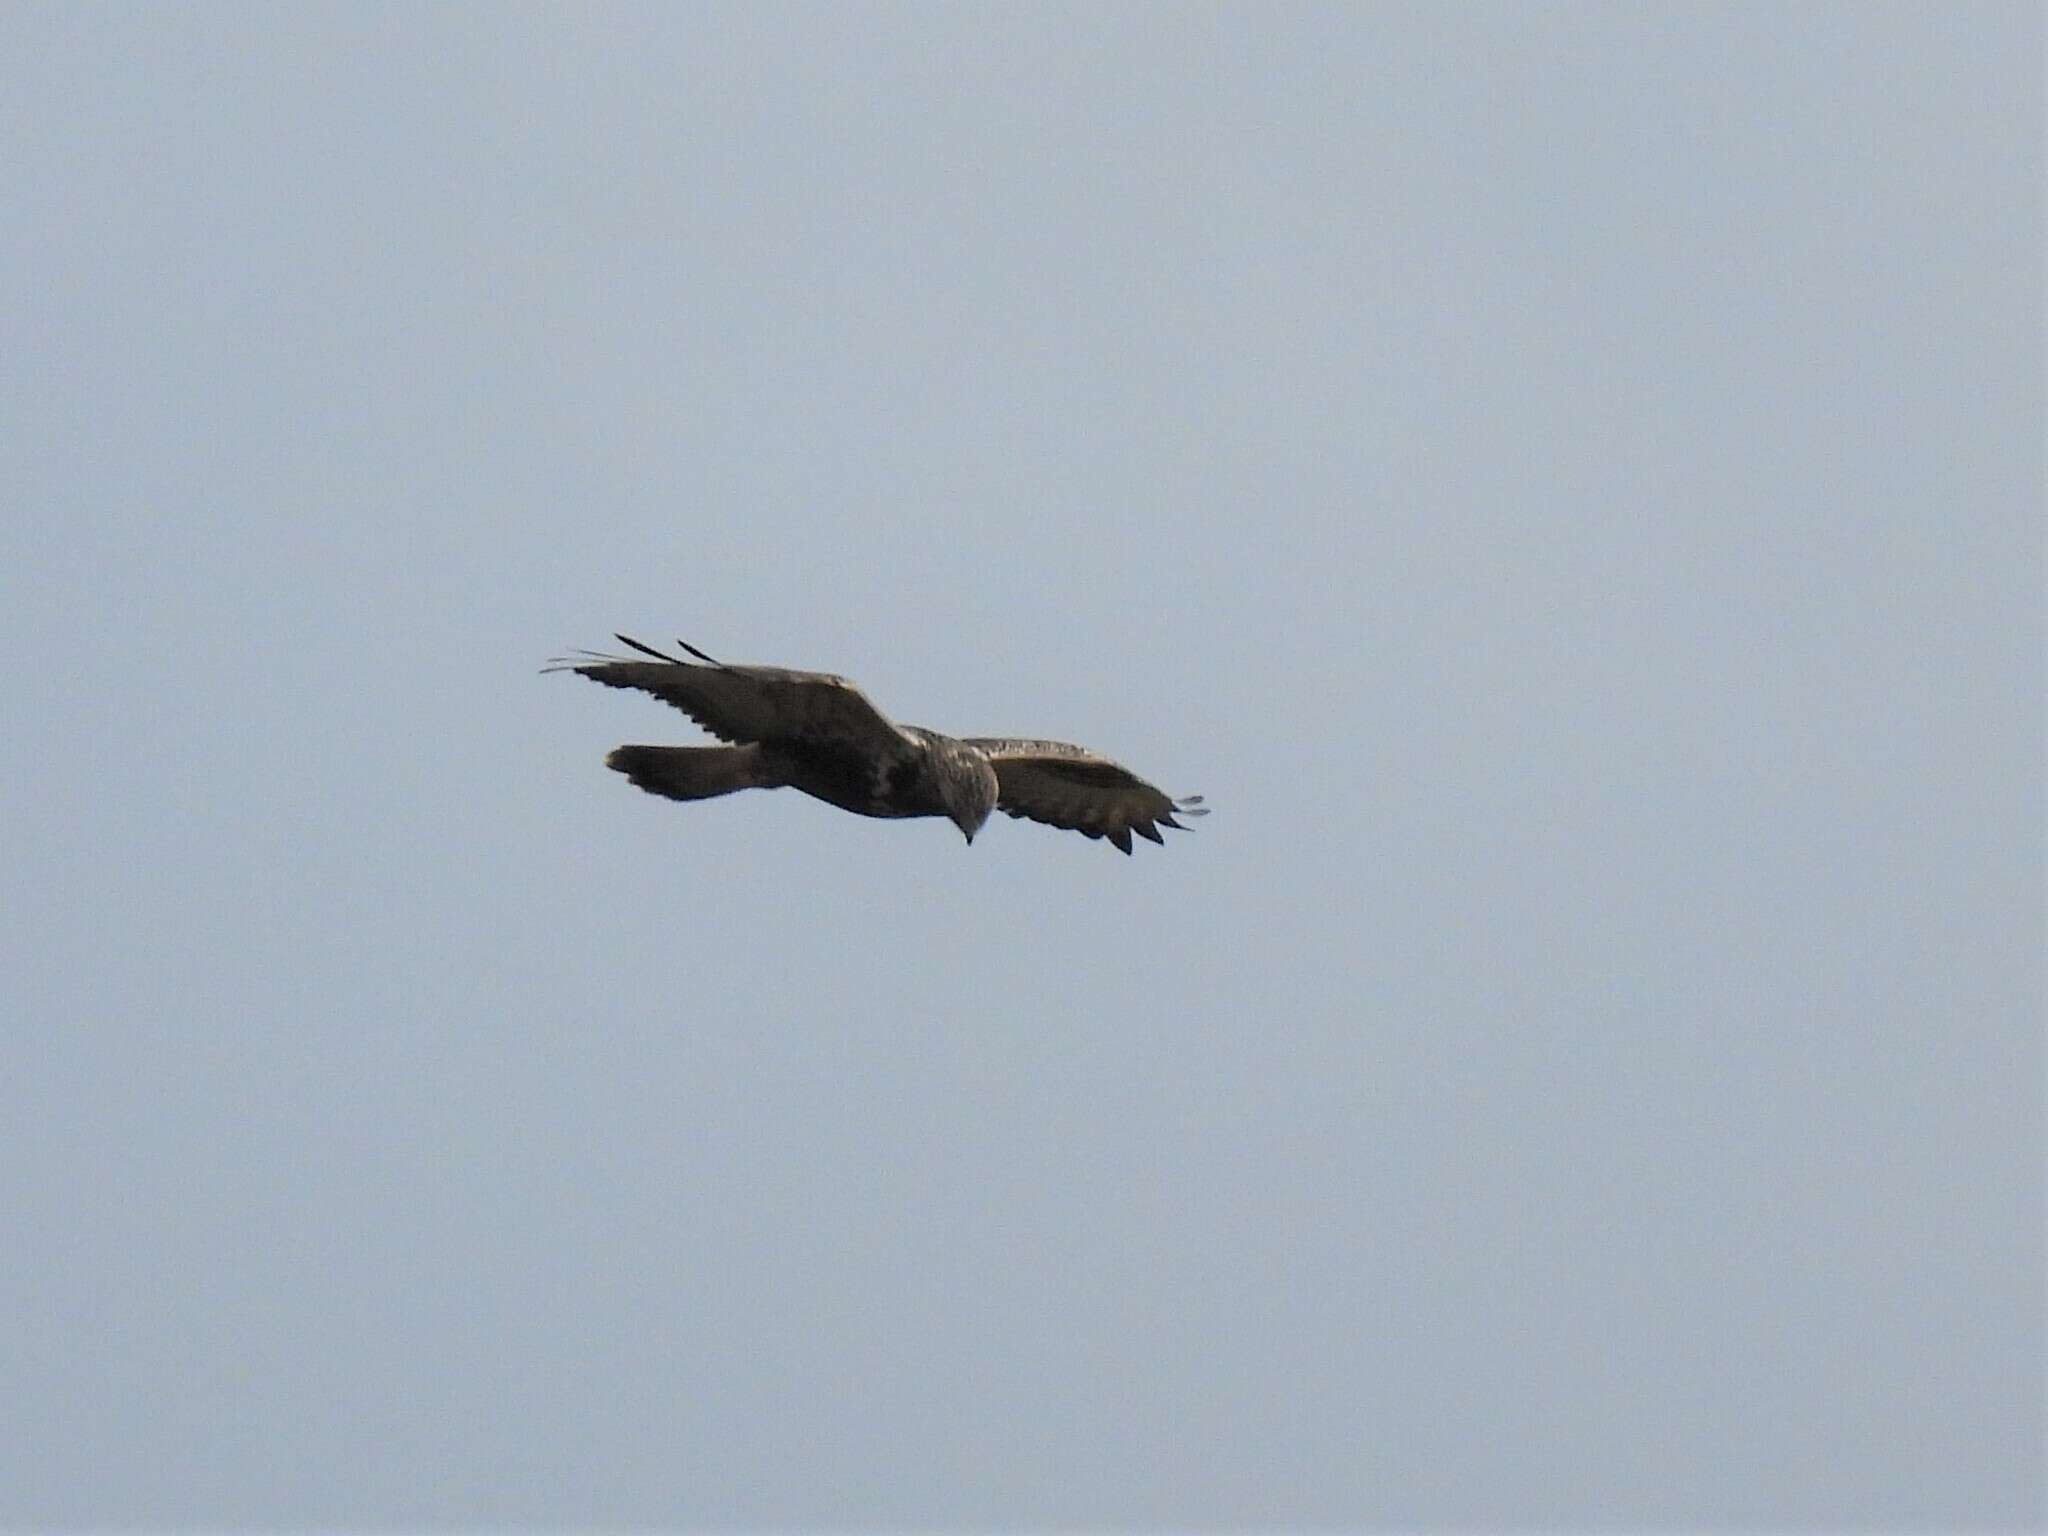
<point>645,650</point>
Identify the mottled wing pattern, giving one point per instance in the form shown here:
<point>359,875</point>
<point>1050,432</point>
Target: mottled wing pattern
<point>1071,787</point>
<point>746,704</point>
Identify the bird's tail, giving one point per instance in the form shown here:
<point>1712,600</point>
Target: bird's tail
<point>691,773</point>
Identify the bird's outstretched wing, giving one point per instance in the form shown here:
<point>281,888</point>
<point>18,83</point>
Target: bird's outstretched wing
<point>1071,787</point>
<point>743,704</point>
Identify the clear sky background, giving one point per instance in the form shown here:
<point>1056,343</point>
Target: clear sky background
<point>1565,481</point>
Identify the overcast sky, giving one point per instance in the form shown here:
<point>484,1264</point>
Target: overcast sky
<point>1565,481</point>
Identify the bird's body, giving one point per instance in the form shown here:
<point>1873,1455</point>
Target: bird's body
<point>817,733</point>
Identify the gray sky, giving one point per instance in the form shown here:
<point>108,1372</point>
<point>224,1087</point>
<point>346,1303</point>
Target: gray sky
<point>1566,482</point>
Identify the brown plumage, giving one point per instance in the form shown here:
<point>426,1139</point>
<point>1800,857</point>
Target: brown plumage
<point>818,733</point>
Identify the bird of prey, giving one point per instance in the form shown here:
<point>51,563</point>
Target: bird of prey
<point>818,733</point>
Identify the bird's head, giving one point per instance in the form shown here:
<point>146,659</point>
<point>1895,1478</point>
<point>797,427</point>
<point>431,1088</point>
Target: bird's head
<point>969,787</point>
